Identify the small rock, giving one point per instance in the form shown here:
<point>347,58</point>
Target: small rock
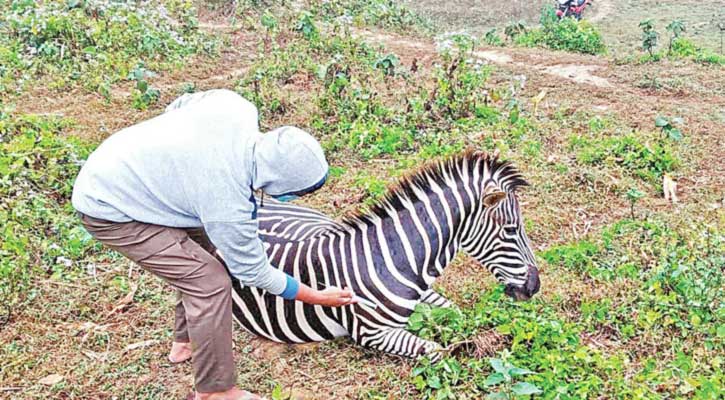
<point>51,380</point>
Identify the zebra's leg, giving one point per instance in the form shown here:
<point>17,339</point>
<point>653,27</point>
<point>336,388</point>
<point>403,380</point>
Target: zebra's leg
<point>400,342</point>
<point>435,299</point>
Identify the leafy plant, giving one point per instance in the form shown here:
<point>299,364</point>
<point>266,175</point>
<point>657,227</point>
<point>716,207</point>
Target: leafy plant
<point>633,195</point>
<point>684,48</point>
<point>306,26</point>
<point>39,234</point>
<point>676,28</point>
<point>649,36</point>
<point>668,129</point>
<point>379,13</point>
<point>503,379</point>
<point>143,94</point>
<point>491,38</point>
<point>387,64</point>
<point>373,187</point>
<point>514,29</point>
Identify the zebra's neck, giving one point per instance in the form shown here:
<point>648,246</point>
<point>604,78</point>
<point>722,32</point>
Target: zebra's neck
<point>413,235</point>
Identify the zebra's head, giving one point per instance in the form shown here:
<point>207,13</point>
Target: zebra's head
<point>498,239</point>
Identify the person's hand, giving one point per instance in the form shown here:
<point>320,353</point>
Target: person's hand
<point>330,297</point>
<point>335,297</point>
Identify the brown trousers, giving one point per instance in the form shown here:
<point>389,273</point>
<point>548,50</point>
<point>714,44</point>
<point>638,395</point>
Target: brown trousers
<point>183,258</point>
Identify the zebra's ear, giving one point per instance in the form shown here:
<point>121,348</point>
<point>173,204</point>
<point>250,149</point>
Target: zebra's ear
<point>493,198</point>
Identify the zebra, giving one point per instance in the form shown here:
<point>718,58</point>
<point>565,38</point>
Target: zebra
<point>391,254</point>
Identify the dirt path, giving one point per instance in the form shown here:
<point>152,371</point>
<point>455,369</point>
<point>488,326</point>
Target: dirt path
<point>575,72</point>
<point>597,84</point>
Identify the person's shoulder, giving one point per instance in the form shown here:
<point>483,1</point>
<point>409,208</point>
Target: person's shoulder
<point>231,103</point>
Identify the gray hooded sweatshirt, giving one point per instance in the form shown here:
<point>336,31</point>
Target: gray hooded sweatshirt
<point>197,165</point>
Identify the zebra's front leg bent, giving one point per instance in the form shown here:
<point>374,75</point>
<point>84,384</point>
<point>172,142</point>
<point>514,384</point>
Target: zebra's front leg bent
<point>400,342</point>
<point>435,299</point>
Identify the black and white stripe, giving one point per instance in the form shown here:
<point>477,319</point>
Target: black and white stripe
<point>390,255</point>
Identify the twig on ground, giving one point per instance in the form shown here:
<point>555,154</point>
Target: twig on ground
<point>67,284</point>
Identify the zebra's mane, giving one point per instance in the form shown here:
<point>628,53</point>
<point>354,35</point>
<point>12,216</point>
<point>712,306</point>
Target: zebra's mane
<point>504,172</point>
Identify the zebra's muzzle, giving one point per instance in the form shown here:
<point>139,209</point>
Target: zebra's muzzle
<point>528,289</point>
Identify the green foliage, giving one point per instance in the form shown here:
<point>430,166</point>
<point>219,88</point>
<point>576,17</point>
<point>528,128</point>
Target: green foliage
<point>491,38</point>
<point>672,291</point>
<point>352,80</point>
<point>95,43</point>
<point>373,187</point>
<point>645,159</point>
<point>307,27</point>
<point>633,195</point>
<point>668,129</point>
<point>503,378</point>
<point>676,28</point>
<point>40,236</point>
<point>458,80</point>
<point>567,34</point>
<point>387,64</point>
<point>684,48</point>
<point>649,36</point>
<point>143,94</point>
<point>576,256</point>
<point>514,29</point>
<point>380,13</point>
<point>679,47</point>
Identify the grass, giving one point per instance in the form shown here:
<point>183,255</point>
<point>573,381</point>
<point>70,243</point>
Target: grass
<point>631,306</point>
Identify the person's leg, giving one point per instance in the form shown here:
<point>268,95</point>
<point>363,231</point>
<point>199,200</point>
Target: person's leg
<point>181,347</point>
<point>203,282</point>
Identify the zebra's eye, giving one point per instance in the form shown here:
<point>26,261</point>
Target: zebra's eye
<point>509,230</point>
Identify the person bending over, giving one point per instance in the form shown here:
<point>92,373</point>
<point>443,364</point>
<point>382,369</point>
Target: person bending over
<point>168,192</point>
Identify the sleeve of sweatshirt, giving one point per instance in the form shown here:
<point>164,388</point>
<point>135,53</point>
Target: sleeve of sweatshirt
<point>242,250</point>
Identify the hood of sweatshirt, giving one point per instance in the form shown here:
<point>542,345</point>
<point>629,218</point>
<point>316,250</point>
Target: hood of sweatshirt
<point>288,160</point>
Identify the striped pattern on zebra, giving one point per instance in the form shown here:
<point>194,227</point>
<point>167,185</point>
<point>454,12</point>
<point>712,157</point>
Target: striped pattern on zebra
<point>392,254</point>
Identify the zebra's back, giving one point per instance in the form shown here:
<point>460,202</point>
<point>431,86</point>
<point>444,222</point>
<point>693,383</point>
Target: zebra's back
<point>283,229</point>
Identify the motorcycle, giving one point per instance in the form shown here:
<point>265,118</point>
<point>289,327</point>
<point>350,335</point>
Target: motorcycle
<point>571,8</point>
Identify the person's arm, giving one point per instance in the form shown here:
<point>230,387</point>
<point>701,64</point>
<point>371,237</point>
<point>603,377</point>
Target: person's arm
<point>242,250</point>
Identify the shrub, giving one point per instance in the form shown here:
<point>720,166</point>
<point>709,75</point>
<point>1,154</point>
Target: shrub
<point>576,36</point>
<point>567,34</point>
<point>685,48</point>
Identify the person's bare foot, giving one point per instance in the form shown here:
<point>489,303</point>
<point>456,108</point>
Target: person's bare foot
<point>180,352</point>
<point>231,394</point>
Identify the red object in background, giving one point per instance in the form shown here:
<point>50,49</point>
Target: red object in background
<point>571,8</point>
